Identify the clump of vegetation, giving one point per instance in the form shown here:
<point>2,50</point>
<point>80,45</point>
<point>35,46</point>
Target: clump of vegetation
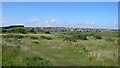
<point>110,39</point>
<point>74,38</point>
<point>13,36</point>
<point>35,41</point>
<point>69,39</point>
<point>81,37</point>
<point>36,61</point>
<point>96,36</point>
<point>32,37</point>
<point>18,36</point>
<point>17,30</point>
<point>9,53</point>
<point>32,31</point>
<point>9,40</point>
<point>44,37</point>
<point>4,31</point>
<point>47,32</point>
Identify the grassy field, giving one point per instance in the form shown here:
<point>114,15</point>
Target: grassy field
<point>60,49</point>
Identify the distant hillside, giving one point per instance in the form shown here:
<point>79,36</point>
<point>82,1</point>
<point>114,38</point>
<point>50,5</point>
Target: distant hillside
<point>53,29</point>
<point>12,26</point>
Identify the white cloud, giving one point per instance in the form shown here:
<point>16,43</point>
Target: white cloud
<point>2,22</point>
<point>41,22</point>
<point>52,21</point>
<point>35,20</point>
<point>116,23</point>
<point>90,23</point>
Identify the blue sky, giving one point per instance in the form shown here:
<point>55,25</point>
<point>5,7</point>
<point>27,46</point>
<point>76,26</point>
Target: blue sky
<point>61,14</point>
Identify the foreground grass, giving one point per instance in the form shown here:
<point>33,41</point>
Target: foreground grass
<point>51,49</point>
<point>0,55</point>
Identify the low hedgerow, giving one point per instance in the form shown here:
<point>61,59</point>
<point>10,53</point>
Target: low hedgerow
<point>69,39</point>
<point>45,37</point>
<point>32,37</point>
<point>35,41</point>
<point>13,36</point>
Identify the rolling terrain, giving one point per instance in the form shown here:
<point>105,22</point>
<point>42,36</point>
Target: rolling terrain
<point>60,49</point>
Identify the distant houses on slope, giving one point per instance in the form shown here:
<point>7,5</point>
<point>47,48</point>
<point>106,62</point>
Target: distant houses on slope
<point>63,29</point>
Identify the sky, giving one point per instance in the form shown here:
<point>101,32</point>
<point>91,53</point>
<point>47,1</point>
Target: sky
<point>61,14</point>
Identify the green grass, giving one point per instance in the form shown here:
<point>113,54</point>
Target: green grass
<point>51,49</point>
<point>0,55</point>
<point>0,51</point>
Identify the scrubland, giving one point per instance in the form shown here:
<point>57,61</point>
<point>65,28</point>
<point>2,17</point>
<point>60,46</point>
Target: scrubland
<point>60,49</point>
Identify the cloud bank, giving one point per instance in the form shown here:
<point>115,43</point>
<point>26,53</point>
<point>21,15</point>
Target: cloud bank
<point>41,22</point>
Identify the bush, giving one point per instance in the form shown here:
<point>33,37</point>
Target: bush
<point>32,31</point>
<point>75,37</point>
<point>7,36</point>
<point>17,30</point>
<point>110,39</point>
<point>4,31</point>
<point>35,41</point>
<point>13,36</point>
<point>69,39</point>
<point>18,36</point>
<point>96,36</point>
<point>44,37</point>
<point>81,37</point>
<point>9,40</point>
<point>36,61</point>
<point>47,32</point>
<point>32,37</point>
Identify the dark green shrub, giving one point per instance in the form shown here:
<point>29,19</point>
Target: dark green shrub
<point>69,39</point>
<point>96,36</point>
<point>13,36</point>
<point>17,30</point>
<point>4,31</point>
<point>44,37</point>
<point>8,36</point>
<point>81,37</point>
<point>18,36</point>
<point>47,32</point>
<point>35,41</point>
<point>32,37</point>
<point>9,40</point>
<point>36,61</point>
<point>110,39</point>
<point>32,31</point>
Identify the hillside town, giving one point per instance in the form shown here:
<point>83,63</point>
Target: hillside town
<point>63,29</point>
